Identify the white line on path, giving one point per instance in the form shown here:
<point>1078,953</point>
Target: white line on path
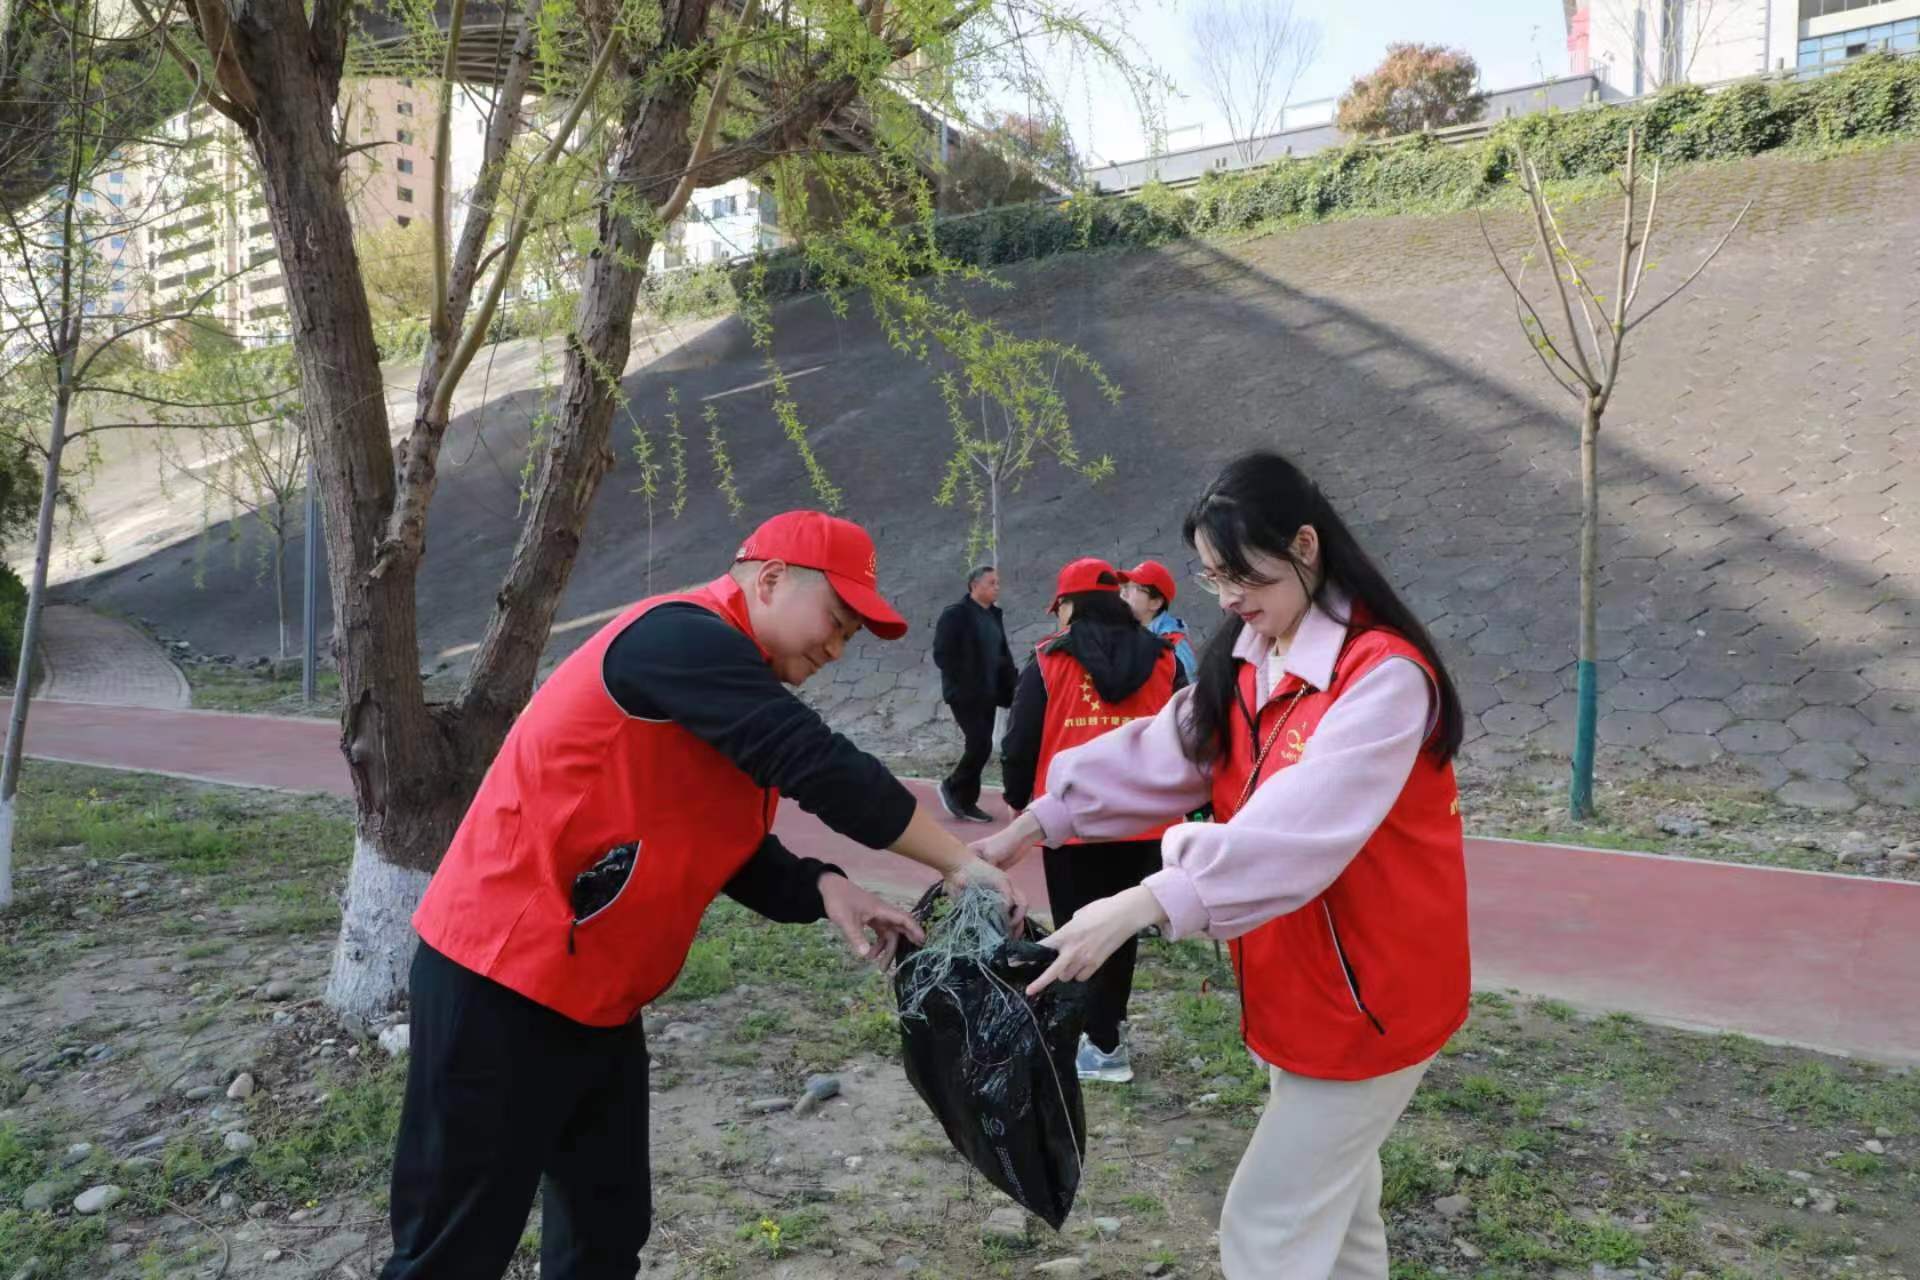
<point>764,382</point>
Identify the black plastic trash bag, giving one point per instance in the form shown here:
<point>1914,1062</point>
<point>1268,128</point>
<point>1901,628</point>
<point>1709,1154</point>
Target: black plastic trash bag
<point>997,1069</point>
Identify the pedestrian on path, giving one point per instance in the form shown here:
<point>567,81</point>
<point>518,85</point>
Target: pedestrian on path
<point>976,678</point>
<point>640,782</point>
<point>1149,590</point>
<point>1323,728</point>
<point>1099,672</point>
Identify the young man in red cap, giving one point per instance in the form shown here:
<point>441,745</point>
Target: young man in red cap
<point>1101,671</point>
<point>639,782</point>
<point>1148,589</point>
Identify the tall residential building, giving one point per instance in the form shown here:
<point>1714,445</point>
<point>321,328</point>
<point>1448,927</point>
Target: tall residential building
<point>1641,46</point>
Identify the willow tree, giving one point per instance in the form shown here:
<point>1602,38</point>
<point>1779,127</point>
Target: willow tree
<point>656,98</point>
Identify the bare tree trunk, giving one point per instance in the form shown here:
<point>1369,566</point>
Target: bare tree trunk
<point>280,577</point>
<point>993,506</point>
<point>1581,791</point>
<point>36,597</point>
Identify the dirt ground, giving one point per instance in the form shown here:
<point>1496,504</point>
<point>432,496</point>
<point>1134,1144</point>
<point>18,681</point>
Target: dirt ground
<point>169,938</point>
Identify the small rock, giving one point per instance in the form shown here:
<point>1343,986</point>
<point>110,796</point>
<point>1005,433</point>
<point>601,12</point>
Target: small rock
<point>242,1086</point>
<point>229,1201</point>
<point>34,1093</point>
<point>688,1033</point>
<point>98,1051</point>
<point>223,1114</point>
<point>148,1145</point>
<point>1206,1100</point>
<point>1106,1228</point>
<point>1883,1133</point>
<point>1183,1142</point>
<point>1158,1269</point>
<point>39,1196</point>
<point>140,1164</point>
<point>199,1093</point>
<point>397,1039</point>
<point>1467,1250</point>
<point>278,989</point>
<point>119,1252</point>
<point>1675,825</point>
<point>1800,1175</point>
<point>272,1255</point>
<point>1061,1267</point>
<point>1874,1147</point>
<point>259,1209</point>
<point>768,1106</point>
<point>819,1090</point>
<point>906,1264</point>
<point>1006,1225</point>
<point>239,1143</point>
<point>1826,1204</point>
<point>864,1250</point>
<point>97,1199</point>
<point>76,1153</point>
<point>853,1163</point>
<point>1452,1206</point>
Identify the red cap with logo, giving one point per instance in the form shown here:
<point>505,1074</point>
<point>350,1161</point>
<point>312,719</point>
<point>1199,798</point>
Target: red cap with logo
<point>1088,573</point>
<point>1151,573</point>
<point>838,548</point>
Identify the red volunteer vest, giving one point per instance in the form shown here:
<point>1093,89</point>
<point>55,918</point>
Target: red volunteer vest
<point>1373,975</point>
<point>576,778</point>
<point>1077,714</point>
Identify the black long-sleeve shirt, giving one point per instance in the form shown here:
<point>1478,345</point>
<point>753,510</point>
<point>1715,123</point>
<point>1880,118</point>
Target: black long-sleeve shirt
<point>680,662</point>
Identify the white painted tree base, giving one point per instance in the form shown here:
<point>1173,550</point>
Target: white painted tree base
<point>375,950</point>
<point>6,853</point>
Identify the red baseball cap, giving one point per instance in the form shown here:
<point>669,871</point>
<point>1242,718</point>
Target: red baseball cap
<point>838,548</point>
<point>1151,573</point>
<point>1088,573</point>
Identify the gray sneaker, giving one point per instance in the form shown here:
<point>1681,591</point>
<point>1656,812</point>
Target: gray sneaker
<point>1107,1068</point>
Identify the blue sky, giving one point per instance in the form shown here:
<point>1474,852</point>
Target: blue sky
<point>1513,41</point>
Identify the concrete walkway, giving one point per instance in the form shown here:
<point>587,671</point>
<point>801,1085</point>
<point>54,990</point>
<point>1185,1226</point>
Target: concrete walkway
<point>1831,962</point>
<point>89,657</point>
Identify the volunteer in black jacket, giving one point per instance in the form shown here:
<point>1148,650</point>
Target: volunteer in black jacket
<point>1102,670</point>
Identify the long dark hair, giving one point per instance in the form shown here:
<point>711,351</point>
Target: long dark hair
<point>1259,504</point>
<point>1101,608</point>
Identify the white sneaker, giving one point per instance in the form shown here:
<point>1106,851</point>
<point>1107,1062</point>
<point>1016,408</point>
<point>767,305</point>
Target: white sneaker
<point>1106,1068</point>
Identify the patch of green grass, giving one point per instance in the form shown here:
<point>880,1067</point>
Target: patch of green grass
<point>223,688</point>
<point>63,1244</point>
<point>1410,1173</point>
<point>1554,1010</point>
<point>345,1144</point>
<point>1818,1092</point>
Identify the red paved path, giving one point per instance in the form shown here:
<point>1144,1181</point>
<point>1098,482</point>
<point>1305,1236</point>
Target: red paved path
<point>1821,960</point>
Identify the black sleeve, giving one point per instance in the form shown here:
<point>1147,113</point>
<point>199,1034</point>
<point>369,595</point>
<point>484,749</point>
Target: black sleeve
<point>1003,694</point>
<point>778,884</point>
<point>946,638</point>
<point>1020,748</point>
<point>1179,676</point>
<point>681,663</point>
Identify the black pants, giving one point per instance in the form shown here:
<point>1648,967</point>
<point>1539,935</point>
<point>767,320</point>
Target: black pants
<point>976,723</point>
<point>1083,873</point>
<point>500,1091</point>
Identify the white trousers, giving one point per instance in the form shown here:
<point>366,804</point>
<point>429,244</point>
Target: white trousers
<point>1305,1201</point>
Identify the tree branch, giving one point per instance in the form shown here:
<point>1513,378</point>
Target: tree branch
<point>442,147</point>
<point>1641,319</point>
<point>710,125</point>
<point>1538,199</point>
<point>1543,343</point>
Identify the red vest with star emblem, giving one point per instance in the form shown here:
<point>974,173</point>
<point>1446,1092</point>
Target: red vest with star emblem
<point>577,777</point>
<point>1374,975</point>
<point>1076,713</point>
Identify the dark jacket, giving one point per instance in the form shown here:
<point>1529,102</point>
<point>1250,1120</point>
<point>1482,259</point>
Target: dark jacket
<point>1120,660</point>
<point>970,648</point>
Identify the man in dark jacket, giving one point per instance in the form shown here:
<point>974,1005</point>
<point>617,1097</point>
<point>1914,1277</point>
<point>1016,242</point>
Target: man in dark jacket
<point>976,676</point>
